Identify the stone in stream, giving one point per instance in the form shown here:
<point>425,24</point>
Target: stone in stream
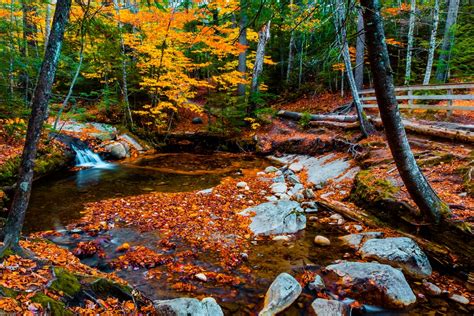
<point>283,291</point>
<point>117,150</point>
<point>296,167</point>
<point>324,307</point>
<point>281,217</point>
<point>317,284</point>
<point>400,252</point>
<point>309,205</point>
<point>309,193</point>
<point>197,120</point>
<point>321,241</point>
<point>459,299</point>
<point>241,184</point>
<point>374,283</point>
<point>188,307</point>
<point>355,240</point>
<point>431,288</point>
<point>271,169</point>
<point>279,179</point>
<point>293,178</point>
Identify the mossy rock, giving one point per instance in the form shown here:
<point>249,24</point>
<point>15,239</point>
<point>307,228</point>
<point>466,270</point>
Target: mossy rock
<point>105,287</point>
<point>371,189</point>
<point>65,282</point>
<point>56,308</point>
<point>436,159</point>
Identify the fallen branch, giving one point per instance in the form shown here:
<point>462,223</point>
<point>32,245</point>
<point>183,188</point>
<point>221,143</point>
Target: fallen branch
<point>318,117</point>
<point>350,125</point>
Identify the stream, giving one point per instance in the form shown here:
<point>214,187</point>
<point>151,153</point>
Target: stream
<point>58,200</point>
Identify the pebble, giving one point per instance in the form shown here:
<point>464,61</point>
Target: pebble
<point>463,194</point>
<point>309,205</point>
<point>459,299</point>
<point>201,276</point>
<point>247,188</point>
<point>241,184</point>
<point>321,241</point>
<point>335,217</point>
<point>299,197</point>
<point>311,210</point>
<point>271,169</point>
<point>278,188</point>
<point>296,167</point>
<point>313,218</point>
<point>318,284</point>
<point>294,179</point>
<point>358,228</point>
<point>340,221</point>
<point>281,238</point>
<point>431,288</point>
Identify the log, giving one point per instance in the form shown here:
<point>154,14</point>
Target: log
<point>349,125</point>
<point>434,131</point>
<point>318,117</point>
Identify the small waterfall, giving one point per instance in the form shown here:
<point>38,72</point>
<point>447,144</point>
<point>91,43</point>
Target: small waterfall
<point>87,158</point>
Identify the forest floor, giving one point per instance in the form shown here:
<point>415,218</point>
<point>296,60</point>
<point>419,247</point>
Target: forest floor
<point>196,227</point>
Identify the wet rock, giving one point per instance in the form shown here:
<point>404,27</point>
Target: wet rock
<point>279,179</point>
<point>241,184</point>
<point>309,193</point>
<point>205,191</point>
<point>278,188</point>
<point>459,299</point>
<point>271,169</point>
<point>197,120</point>
<point>324,307</point>
<point>283,291</point>
<point>317,284</point>
<point>375,283</point>
<point>299,197</point>
<point>201,276</point>
<point>431,288</point>
<point>294,179</point>
<point>355,240</point>
<point>116,150</point>
<point>296,167</point>
<point>188,307</point>
<point>401,252</point>
<point>335,217</point>
<point>281,217</point>
<point>296,188</point>
<point>321,241</point>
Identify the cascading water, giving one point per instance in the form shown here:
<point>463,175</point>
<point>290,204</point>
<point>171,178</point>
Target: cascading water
<point>87,158</point>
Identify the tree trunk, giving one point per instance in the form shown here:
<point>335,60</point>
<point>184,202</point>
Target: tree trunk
<point>39,104</point>
<point>360,48</point>
<point>290,57</point>
<point>124,66</point>
<point>242,67</point>
<point>432,47</point>
<point>448,39</point>
<point>47,25</point>
<point>415,182</point>
<point>300,72</point>
<point>411,30</point>
<point>340,13</point>
<point>263,37</point>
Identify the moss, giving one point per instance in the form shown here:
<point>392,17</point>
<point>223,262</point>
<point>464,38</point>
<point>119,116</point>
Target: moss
<point>56,307</point>
<point>106,287</point>
<point>65,282</point>
<point>371,189</point>
<point>436,159</point>
<point>6,253</point>
<point>9,170</point>
<point>6,292</point>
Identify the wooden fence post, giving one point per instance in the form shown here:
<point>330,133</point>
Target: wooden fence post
<point>450,103</point>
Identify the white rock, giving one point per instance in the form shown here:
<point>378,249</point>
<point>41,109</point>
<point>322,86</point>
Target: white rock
<point>201,276</point>
<point>317,284</point>
<point>431,288</point>
<point>459,299</point>
<point>358,228</point>
<point>281,238</point>
<point>296,167</point>
<point>321,241</point>
<point>335,217</point>
<point>241,184</point>
<point>278,188</point>
<point>271,169</point>
<point>322,307</point>
<point>188,306</point>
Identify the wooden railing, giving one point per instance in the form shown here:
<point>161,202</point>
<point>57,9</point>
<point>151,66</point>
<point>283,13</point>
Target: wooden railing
<point>368,97</point>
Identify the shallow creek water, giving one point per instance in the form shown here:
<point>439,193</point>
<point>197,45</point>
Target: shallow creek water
<point>58,200</point>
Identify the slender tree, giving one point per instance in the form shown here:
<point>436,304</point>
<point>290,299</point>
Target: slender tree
<point>418,187</point>
<point>411,31</point>
<point>41,96</point>
<point>341,34</point>
<point>360,49</point>
<point>263,37</point>
<point>432,46</point>
<point>448,39</point>
<point>242,66</point>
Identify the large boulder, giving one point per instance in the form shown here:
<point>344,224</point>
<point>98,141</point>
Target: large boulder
<point>283,291</point>
<point>374,283</point>
<point>278,217</point>
<point>319,169</point>
<point>324,307</point>
<point>401,252</point>
<point>188,307</point>
<point>117,150</point>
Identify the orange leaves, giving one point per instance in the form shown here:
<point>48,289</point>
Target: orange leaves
<point>23,274</point>
<point>88,249</point>
<point>123,247</point>
<point>9,305</point>
<point>140,257</point>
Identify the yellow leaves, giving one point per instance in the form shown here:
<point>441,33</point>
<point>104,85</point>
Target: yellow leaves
<point>392,41</point>
<point>339,67</point>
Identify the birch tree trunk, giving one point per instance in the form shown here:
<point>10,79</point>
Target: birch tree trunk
<point>448,39</point>
<point>417,186</point>
<point>411,30</point>
<point>263,37</point>
<point>47,24</point>
<point>124,65</point>
<point>290,56</point>
<point>39,103</point>
<point>360,48</point>
<point>432,47</point>
<point>300,72</point>
<point>340,12</point>
<point>242,67</point>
